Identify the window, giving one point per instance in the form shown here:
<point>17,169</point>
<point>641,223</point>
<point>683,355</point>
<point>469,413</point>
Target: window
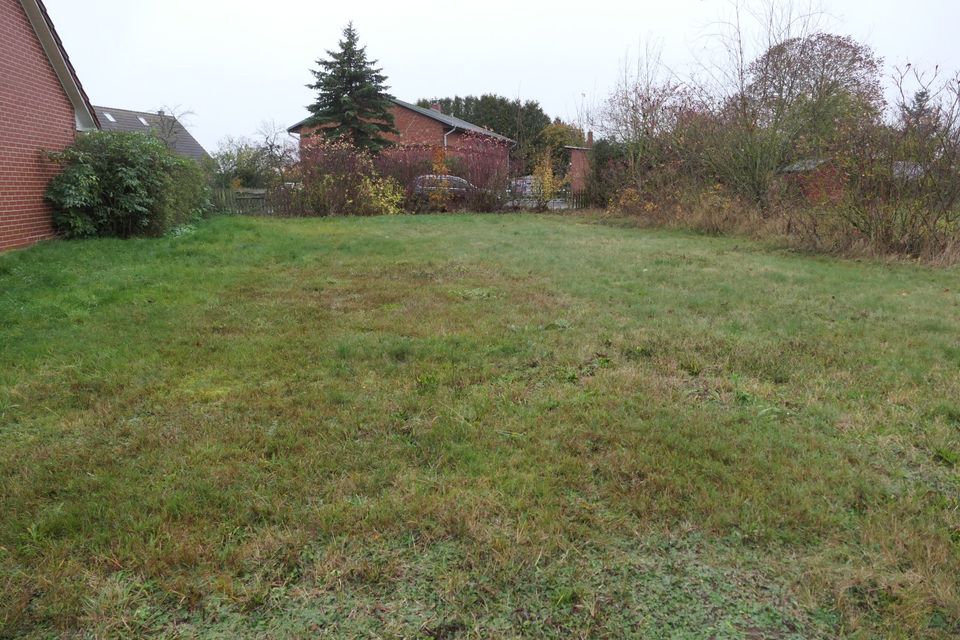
<point>143,121</point>
<point>109,116</point>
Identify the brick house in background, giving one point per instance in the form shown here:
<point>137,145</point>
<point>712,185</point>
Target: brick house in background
<point>42,106</point>
<point>431,127</point>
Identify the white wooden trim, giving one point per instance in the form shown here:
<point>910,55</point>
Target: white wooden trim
<point>85,120</point>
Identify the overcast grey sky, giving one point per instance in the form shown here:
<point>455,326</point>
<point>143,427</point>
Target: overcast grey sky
<point>236,63</point>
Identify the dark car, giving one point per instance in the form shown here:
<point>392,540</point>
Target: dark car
<point>456,190</point>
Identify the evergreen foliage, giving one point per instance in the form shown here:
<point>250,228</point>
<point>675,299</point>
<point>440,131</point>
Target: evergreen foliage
<point>352,100</point>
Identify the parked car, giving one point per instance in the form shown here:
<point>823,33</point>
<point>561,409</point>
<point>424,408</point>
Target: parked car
<point>456,188</point>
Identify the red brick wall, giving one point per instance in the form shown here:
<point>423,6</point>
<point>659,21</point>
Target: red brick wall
<point>579,170</point>
<point>35,116</point>
<point>463,144</point>
<point>415,128</point>
<point>412,128</point>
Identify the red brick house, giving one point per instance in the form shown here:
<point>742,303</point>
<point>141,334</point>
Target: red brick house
<point>431,127</point>
<point>42,106</point>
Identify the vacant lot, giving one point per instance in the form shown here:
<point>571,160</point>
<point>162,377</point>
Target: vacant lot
<point>489,426</point>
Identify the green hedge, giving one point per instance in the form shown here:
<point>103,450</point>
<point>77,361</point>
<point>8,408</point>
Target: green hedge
<point>124,184</point>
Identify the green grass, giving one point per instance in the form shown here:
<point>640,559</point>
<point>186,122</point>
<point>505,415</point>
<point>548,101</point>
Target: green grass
<point>475,426</point>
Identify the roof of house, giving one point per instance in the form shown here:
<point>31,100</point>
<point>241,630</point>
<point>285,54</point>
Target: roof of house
<point>86,117</point>
<point>163,124</point>
<point>448,120</point>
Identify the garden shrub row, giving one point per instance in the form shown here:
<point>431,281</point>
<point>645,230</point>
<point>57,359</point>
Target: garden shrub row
<point>341,179</point>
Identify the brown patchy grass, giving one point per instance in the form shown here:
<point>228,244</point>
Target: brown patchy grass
<point>490,426</point>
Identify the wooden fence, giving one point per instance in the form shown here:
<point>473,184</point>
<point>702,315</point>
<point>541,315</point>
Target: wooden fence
<point>280,203</point>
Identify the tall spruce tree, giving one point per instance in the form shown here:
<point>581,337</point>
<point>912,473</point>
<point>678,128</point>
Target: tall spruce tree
<point>352,100</point>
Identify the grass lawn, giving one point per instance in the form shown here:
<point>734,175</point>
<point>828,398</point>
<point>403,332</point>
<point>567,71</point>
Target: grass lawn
<point>475,426</point>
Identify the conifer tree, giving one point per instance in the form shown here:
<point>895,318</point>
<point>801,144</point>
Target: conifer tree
<point>352,99</point>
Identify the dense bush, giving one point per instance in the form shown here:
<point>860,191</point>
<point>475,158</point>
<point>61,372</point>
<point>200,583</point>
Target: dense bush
<point>403,164</point>
<point>483,162</point>
<point>340,179</point>
<point>607,173</point>
<point>124,184</point>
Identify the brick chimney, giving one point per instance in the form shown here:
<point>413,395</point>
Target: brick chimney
<point>589,139</point>
<point>436,107</point>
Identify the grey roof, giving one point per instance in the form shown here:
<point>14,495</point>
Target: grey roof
<point>166,126</point>
<point>448,120</point>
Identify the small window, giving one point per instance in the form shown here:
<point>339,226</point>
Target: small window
<point>143,121</point>
<point>109,116</point>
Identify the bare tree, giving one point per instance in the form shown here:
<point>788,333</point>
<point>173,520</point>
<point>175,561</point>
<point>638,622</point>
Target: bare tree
<point>907,180</point>
<point>169,125</point>
<point>730,118</point>
<point>723,72</point>
<point>641,113</point>
<point>746,85</point>
<point>279,150</point>
<point>269,160</point>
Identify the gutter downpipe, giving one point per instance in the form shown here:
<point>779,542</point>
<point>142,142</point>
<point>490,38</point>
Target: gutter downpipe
<point>445,138</point>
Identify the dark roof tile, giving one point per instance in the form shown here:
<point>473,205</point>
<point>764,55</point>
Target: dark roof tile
<point>166,126</point>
